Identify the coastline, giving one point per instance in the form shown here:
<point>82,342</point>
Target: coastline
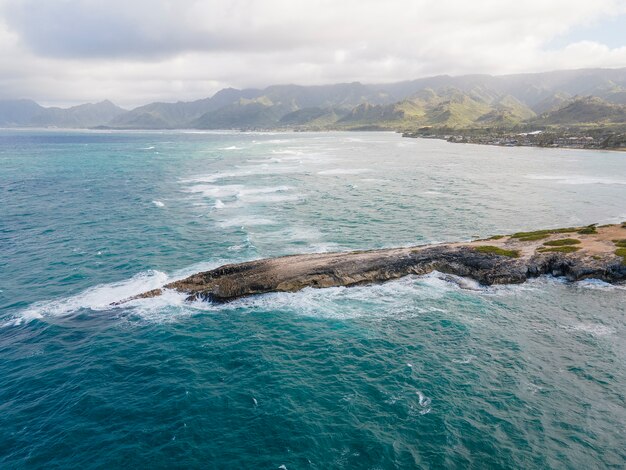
<point>560,139</point>
<point>589,252</point>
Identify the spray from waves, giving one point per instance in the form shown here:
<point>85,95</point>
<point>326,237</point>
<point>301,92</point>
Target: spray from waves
<point>219,204</point>
<point>232,147</point>
<point>100,297</point>
<point>403,298</point>
<point>170,305</point>
<point>97,298</point>
<point>158,203</point>
<point>394,298</point>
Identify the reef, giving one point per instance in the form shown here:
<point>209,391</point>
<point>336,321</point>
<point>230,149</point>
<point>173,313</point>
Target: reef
<point>575,253</point>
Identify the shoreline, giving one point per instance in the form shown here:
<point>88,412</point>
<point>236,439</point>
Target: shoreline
<point>517,140</point>
<point>577,253</point>
<point>457,138</point>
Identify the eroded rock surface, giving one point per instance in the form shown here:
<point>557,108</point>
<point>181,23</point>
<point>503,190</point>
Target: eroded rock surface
<point>593,256</point>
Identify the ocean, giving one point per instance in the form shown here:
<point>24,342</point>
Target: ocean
<point>420,372</point>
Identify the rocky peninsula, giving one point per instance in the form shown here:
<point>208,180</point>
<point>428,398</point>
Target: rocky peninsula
<point>576,253</point>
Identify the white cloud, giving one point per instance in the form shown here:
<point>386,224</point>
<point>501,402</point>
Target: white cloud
<point>139,51</point>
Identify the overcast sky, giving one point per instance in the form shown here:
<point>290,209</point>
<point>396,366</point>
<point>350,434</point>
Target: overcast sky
<point>136,51</point>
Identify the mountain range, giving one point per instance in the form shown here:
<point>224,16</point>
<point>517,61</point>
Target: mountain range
<point>559,98</point>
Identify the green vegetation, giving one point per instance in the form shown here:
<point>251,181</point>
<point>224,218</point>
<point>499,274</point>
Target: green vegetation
<point>496,237</point>
<point>582,109</point>
<point>559,249</point>
<point>585,110</point>
<point>497,251</point>
<point>562,242</point>
<point>621,252</point>
<point>543,233</point>
<point>532,238</point>
<point>588,230</point>
<point>620,243</point>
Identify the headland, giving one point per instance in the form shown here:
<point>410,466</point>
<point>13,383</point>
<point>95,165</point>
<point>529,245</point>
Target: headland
<point>576,253</point>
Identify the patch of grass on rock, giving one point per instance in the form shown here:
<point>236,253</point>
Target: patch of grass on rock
<point>559,249</point>
<point>532,238</point>
<point>588,230</point>
<point>496,237</point>
<point>620,243</point>
<point>562,242</point>
<point>621,252</point>
<point>545,233</point>
<point>496,250</point>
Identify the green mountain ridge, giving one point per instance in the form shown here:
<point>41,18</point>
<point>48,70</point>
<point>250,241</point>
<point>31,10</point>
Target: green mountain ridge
<point>584,110</point>
<point>559,98</point>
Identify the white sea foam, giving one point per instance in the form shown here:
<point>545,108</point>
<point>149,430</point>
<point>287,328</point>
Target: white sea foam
<point>287,152</point>
<point>210,178</point>
<point>262,190</point>
<point>261,161</point>
<point>423,402</point>
<point>397,298</point>
<point>245,194</point>
<point>232,147</point>
<point>577,179</point>
<point>100,297</point>
<point>147,148</point>
<point>344,171</point>
<point>219,204</point>
<point>245,171</point>
<point>266,194</point>
<point>597,284</point>
<point>158,203</point>
<point>216,191</point>
<point>594,329</point>
<point>463,282</point>
<point>96,298</point>
<point>423,399</point>
<point>374,300</point>
<point>245,221</point>
<point>465,360</point>
<point>379,300</point>
<point>262,198</point>
<point>273,141</point>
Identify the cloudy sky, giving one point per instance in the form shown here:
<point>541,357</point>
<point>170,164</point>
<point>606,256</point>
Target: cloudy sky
<point>63,52</point>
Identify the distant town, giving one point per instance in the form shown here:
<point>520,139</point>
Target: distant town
<point>598,138</point>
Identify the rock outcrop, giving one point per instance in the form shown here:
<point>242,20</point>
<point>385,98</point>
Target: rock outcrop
<point>576,253</point>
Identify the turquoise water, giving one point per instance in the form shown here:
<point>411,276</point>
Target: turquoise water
<point>413,373</point>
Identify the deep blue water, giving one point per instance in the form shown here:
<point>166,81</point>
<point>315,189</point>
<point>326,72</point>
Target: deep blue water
<point>413,373</point>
